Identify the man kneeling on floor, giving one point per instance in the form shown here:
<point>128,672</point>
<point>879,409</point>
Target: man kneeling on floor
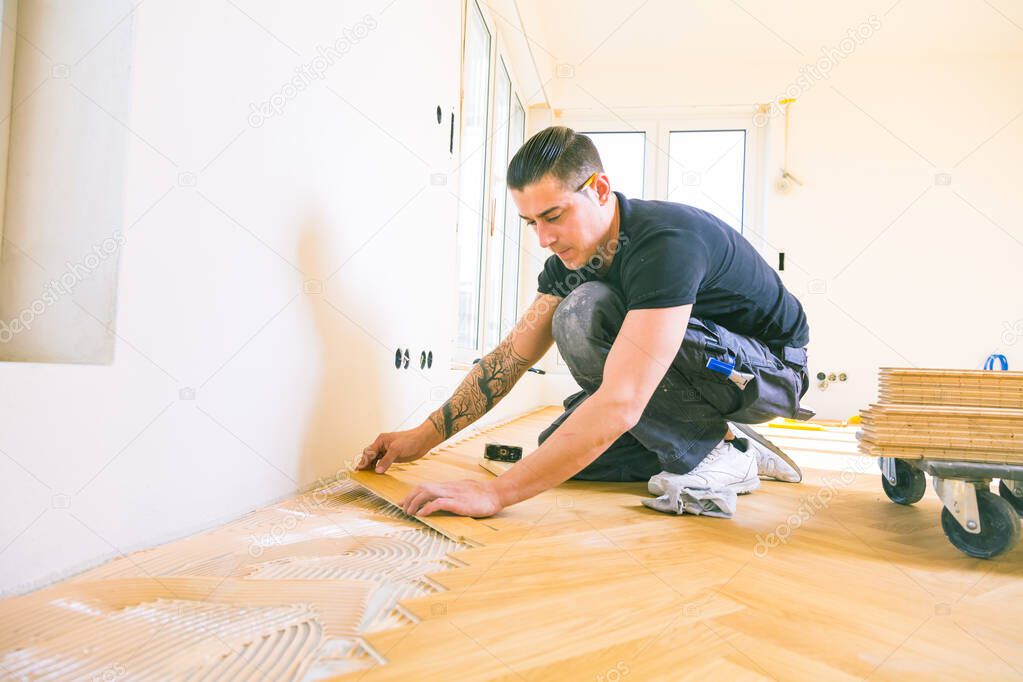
<point>639,296</point>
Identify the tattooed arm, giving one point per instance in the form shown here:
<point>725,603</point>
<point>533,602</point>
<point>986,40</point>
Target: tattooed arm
<point>487,382</point>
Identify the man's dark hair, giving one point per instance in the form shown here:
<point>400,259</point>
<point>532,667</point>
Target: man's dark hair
<point>562,152</point>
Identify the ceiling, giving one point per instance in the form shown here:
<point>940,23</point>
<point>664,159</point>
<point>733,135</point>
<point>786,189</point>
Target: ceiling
<point>686,33</point>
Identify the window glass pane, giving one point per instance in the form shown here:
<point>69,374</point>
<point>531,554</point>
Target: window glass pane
<point>512,231</point>
<point>623,156</point>
<point>499,192</point>
<point>472,165</point>
<point>707,169</point>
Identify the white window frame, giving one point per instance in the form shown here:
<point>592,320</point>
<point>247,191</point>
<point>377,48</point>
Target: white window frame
<point>463,357</point>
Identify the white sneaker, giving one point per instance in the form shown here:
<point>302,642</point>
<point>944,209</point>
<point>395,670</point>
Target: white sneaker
<point>772,462</point>
<point>724,468</point>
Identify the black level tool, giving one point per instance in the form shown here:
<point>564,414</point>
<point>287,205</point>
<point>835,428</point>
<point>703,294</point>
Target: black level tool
<point>502,453</point>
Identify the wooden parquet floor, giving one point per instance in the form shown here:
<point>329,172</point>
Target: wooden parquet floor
<point>826,579</point>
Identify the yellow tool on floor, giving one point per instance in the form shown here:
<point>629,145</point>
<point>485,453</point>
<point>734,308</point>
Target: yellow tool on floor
<point>795,425</point>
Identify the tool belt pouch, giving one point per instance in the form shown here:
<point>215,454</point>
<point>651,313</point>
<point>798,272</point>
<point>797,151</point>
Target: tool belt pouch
<point>779,381</point>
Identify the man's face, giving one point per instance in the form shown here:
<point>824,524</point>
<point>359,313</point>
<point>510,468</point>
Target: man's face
<point>572,224</point>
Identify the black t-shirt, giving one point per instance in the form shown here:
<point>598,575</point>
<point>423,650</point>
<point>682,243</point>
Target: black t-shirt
<point>672,254</point>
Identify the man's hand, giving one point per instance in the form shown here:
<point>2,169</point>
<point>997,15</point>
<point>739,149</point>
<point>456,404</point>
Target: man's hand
<point>399,446</point>
<point>465,498</point>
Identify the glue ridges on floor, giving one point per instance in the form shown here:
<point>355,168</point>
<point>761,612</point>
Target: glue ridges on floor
<point>282,593</point>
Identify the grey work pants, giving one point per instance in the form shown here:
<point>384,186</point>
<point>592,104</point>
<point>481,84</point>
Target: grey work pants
<point>686,415</point>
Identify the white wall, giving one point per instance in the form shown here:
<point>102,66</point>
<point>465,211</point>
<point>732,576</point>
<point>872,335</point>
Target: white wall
<point>909,272</point>
<point>268,275</point>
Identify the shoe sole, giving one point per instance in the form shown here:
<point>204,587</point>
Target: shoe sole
<point>747,491</point>
<point>754,484</point>
<point>748,431</point>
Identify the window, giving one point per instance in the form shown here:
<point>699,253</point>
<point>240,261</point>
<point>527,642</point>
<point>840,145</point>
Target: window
<point>489,227</point>
<point>512,232</point>
<point>715,162</point>
<point>708,158</point>
<point>707,169</point>
<point>503,255</point>
<point>624,158</point>
<point>472,174</point>
<point>499,199</point>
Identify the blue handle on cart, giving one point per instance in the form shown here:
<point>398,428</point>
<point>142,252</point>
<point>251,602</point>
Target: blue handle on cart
<point>1002,362</point>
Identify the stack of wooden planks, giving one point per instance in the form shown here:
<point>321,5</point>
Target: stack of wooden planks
<point>962,415</point>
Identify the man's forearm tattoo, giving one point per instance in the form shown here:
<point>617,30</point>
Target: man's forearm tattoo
<point>485,385</point>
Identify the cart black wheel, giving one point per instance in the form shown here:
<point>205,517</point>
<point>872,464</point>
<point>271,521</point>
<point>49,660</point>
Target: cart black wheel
<point>1016,502</point>
<point>999,527</point>
<point>910,484</point>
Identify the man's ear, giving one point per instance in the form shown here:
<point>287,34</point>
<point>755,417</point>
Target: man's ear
<point>602,185</point>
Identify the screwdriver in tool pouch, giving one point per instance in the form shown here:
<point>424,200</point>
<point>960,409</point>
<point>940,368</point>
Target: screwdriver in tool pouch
<point>740,379</point>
